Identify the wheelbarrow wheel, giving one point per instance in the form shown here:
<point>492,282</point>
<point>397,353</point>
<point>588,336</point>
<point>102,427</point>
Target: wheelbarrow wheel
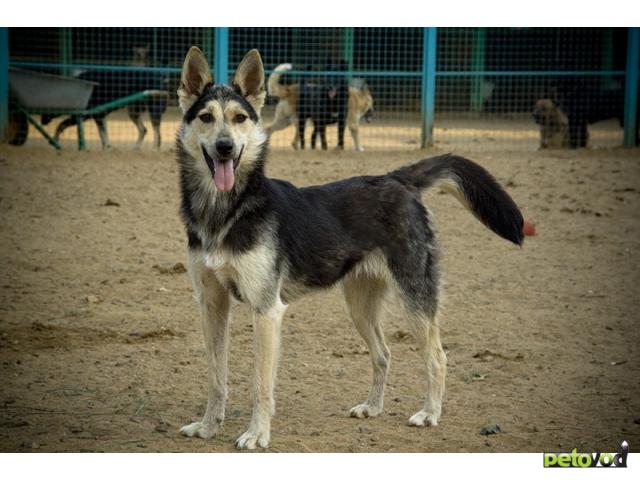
<point>18,130</point>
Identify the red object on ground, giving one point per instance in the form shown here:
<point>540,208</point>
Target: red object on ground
<point>529,229</point>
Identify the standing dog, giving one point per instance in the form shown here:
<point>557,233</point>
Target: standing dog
<point>359,105</point>
<point>265,242</point>
<point>554,124</point>
<point>585,104</point>
<point>114,85</point>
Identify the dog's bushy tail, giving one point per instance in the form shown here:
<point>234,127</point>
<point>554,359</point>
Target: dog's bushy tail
<point>273,84</point>
<point>473,186</point>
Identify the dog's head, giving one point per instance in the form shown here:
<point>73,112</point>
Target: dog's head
<point>221,128</point>
<point>544,111</point>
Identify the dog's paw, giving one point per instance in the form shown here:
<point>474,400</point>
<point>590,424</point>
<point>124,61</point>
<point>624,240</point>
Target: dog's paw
<point>365,410</point>
<point>424,419</point>
<point>252,438</point>
<point>200,429</point>
<point>360,149</point>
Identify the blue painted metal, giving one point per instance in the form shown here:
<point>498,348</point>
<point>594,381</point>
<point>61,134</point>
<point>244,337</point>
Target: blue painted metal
<point>631,87</point>
<point>221,58</point>
<point>530,73</point>
<point>91,66</point>
<point>4,81</point>
<point>428,88</point>
<point>370,73</point>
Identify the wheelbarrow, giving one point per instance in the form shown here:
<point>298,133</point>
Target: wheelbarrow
<point>35,93</point>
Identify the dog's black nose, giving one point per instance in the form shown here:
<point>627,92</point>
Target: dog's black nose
<point>224,146</point>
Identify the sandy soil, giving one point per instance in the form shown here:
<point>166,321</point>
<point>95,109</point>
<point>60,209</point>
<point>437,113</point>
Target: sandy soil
<point>101,347</point>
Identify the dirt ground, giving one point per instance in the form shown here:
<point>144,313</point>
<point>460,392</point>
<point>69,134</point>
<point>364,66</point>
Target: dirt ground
<point>391,131</point>
<point>101,346</point>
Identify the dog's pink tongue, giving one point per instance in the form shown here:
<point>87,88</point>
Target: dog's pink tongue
<point>224,177</point>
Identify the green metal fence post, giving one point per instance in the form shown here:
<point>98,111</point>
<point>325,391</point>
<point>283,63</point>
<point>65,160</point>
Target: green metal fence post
<point>208,44</point>
<point>221,59</point>
<point>478,55</point>
<point>631,87</point>
<point>607,57</point>
<point>66,51</point>
<point>4,82</point>
<point>428,88</point>
<point>347,47</point>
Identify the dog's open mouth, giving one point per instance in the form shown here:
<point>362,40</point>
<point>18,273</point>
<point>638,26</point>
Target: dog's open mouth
<point>222,170</point>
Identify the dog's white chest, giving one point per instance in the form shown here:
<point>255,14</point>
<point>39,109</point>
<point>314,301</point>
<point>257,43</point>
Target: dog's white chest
<point>222,265</point>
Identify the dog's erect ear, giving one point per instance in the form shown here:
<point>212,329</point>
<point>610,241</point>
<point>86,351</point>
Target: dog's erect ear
<point>196,75</point>
<point>249,79</point>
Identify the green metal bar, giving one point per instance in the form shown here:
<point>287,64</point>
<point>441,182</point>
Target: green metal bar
<point>347,48</point>
<point>80,124</point>
<point>607,57</point>
<point>53,142</point>
<point>123,101</point>
<point>428,88</point>
<point>4,82</point>
<point>66,52</point>
<point>155,48</point>
<point>478,55</point>
<point>631,88</point>
<point>208,43</point>
<point>360,73</point>
<point>120,102</point>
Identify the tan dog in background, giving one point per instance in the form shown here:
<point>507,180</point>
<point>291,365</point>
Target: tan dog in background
<point>360,105</point>
<point>554,124</point>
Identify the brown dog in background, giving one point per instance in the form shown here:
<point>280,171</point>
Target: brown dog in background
<point>554,124</point>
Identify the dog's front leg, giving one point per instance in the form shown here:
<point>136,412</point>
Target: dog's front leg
<point>215,303</point>
<point>266,326</point>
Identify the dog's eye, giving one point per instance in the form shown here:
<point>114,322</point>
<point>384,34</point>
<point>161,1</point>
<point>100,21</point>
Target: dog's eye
<point>206,118</point>
<point>239,118</point>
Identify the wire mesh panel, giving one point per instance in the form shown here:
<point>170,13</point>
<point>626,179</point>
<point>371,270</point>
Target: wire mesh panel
<point>361,88</point>
<point>379,67</point>
<point>132,72</point>
<point>526,88</point>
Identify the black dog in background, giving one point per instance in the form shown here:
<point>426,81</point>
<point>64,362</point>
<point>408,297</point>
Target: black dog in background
<point>585,104</point>
<point>325,103</point>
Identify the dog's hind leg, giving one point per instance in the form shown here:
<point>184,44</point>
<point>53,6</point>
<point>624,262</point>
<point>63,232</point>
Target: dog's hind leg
<point>301,122</point>
<point>314,135</point>
<point>322,128</point>
<point>156,119</point>
<point>364,298</point>
<point>427,333</point>
<point>136,118</point>
<point>62,126</point>
<point>296,139</point>
<point>214,304</point>
<point>353,128</point>
<point>413,264</point>
<point>266,326</point>
<point>341,125</point>
<point>102,131</point>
